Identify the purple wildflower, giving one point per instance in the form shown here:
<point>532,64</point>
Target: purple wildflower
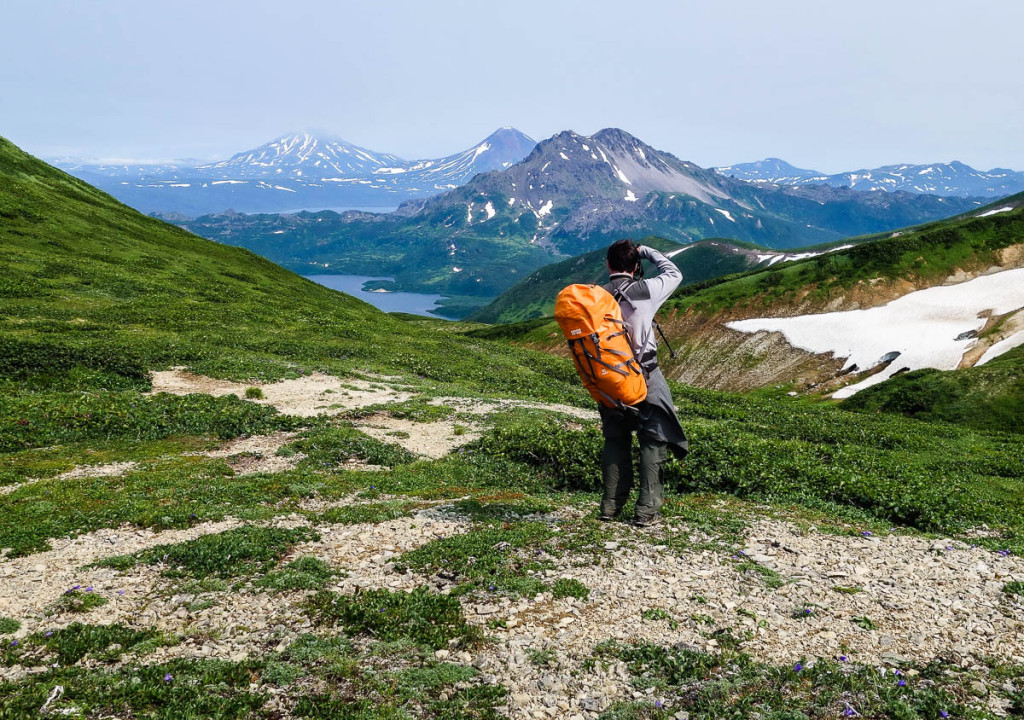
<point>866,533</point>
<point>902,683</point>
<point>168,677</point>
<point>943,714</point>
<point>657,703</point>
<point>842,658</point>
<point>949,547</point>
<point>13,643</point>
<point>799,667</point>
<point>896,672</point>
<point>48,634</point>
<point>120,592</point>
<point>89,589</point>
<point>849,712</point>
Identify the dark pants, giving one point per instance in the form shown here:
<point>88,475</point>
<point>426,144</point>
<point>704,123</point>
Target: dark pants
<point>617,471</point>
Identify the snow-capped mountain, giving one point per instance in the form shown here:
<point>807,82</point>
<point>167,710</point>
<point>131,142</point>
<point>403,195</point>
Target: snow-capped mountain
<point>579,191</point>
<point>301,155</point>
<point>946,179</point>
<point>502,149</point>
<point>297,171</point>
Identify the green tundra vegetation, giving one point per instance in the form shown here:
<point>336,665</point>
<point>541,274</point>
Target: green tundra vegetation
<point>93,297</point>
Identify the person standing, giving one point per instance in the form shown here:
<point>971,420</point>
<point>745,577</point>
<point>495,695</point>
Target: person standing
<point>654,419</point>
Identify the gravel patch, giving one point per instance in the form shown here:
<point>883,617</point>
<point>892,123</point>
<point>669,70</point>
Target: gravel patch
<point>306,396</point>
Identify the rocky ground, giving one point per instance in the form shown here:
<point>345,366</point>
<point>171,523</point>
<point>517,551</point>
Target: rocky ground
<point>793,594</point>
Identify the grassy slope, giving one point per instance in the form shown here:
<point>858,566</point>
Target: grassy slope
<point>534,297</point>
<point>989,397</point>
<point>982,397</point>
<point>925,254</point>
<point>91,285</point>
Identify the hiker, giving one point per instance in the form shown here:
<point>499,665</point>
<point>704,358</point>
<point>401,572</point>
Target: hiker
<point>653,419</point>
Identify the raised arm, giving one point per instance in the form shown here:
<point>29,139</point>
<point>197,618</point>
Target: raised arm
<point>663,285</point>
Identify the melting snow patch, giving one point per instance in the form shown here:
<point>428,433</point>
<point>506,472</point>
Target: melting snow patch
<point>993,212</point>
<point>1004,345</point>
<point>511,201</point>
<point>564,156</point>
<point>545,208</point>
<point>921,326</point>
<point>456,269</point>
<point>673,253</point>
<point>278,232</point>
<point>622,177</point>
<point>726,213</point>
<point>489,209</point>
<point>630,197</point>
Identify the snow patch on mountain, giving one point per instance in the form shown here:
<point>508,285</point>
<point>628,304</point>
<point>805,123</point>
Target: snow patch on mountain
<point>921,328</point>
<point>994,212</point>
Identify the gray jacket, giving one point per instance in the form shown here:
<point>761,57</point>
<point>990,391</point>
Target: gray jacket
<point>643,298</point>
<point>657,415</point>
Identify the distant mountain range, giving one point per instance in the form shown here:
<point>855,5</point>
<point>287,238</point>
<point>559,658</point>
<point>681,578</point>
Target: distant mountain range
<point>297,171</point>
<point>570,195</point>
<point>952,179</point>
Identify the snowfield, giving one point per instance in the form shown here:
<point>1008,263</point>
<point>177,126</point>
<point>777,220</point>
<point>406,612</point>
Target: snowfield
<point>922,327</point>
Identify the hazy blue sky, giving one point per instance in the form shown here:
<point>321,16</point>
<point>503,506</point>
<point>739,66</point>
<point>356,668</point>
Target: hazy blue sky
<point>828,85</point>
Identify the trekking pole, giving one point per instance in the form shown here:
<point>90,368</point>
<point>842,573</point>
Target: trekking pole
<point>671,352</point>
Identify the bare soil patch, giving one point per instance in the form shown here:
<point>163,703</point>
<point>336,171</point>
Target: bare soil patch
<point>306,396</point>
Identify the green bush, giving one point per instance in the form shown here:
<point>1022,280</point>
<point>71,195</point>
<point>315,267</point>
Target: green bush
<point>420,616</point>
<point>240,551</point>
<point>331,446</point>
<point>36,420</point>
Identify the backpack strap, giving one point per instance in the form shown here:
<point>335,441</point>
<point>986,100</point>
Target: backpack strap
<point>619,293</point>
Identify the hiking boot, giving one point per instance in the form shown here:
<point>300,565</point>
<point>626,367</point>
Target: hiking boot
<point>643,521</point>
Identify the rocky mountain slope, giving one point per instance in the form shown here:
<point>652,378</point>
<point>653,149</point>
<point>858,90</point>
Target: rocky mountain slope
<point>953,179</point>
<point>296,171</point>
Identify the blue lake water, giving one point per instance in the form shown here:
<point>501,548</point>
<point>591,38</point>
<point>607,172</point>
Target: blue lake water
<point>407,302</point>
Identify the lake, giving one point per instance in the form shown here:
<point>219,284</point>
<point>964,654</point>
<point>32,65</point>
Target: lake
<point>407,302</point>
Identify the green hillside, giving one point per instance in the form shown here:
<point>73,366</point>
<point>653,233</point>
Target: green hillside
<point>990,397</point>
<point>534,297</point>
<point>91,285</point>
<point>926,253</point>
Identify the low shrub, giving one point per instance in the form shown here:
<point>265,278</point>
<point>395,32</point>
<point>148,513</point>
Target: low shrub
<point>421,616</point>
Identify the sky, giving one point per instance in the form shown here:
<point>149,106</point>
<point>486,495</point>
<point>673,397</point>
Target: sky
<point>824,85</point>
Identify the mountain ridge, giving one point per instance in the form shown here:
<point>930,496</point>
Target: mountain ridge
<point>570,195</point>
<point>946,179</point>
<point>298,171</point>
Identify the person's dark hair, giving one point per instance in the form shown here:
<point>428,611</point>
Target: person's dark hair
<point>623,256</point>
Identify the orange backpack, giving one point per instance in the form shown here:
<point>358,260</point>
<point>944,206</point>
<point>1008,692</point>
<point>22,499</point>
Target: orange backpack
<point>591,321</point>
